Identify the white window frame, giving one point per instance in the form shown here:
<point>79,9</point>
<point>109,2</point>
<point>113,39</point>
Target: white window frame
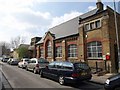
<point>93,50</point>
<point>59,51</point>
<point>93,21</point>
<point>72,50</point>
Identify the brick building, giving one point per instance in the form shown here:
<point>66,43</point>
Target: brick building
<point>32,47</point>
<point>88,37</point>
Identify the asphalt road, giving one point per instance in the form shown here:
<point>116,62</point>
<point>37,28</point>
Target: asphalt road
<point>20,78</point>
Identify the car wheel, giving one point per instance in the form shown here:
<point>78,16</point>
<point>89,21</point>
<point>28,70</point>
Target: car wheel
<point>41,74</point>
<point>61,80</point>
<point>34,71</point>
<point>22,67</point>
<point>26,68</point>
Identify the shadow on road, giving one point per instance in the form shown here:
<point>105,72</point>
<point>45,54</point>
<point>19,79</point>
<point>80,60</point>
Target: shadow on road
<point>86,86</point>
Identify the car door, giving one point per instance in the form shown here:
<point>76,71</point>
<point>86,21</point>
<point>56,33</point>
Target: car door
<point>29,64</point>
<point>55,71</point>
<point>33,64</point>
<point>49,70</point>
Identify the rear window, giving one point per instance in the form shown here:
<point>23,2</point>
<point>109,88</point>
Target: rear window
<point>42,61</point>
<point>27,60</point>
<point>6,58</point>
<point>81,66</point>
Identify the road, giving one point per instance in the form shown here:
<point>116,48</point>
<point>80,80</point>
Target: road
<point>20,78</point>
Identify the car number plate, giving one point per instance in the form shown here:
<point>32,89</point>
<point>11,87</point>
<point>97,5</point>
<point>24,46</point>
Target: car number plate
<point>83,73</point>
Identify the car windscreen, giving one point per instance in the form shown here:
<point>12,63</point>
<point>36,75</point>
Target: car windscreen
<point>6,58</point>
<point>81,66</point>
<point>42,61</point>
<point>27,60</point>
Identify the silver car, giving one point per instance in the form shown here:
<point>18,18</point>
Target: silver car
<point>23,63</point>
<point>35,64</point>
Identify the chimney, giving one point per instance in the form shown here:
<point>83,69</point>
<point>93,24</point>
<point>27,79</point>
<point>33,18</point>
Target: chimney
<point>99,5</point>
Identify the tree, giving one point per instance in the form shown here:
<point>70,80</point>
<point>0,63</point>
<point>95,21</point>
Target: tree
<point>23,52</point>
<point>15,42</point>
<point>4,48</point>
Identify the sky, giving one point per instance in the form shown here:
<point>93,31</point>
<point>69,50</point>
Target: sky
<point>32,18</point>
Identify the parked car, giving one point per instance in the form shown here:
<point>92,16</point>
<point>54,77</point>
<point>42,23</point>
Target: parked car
<point>67,72</point>
<point>5,59</point>
<point>9,60</point>
<point>113,83</point>
<point>14,61</point>
<point>1,58</point>
<point>23,63</point>
<point>36,64</point>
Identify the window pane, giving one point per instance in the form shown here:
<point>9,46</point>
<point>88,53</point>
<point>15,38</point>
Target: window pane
<point>41,52</point>
<point>59,51</point>
<point>99,54</point>
<point>94,49</point>
<point>97,23</point>
<point>92,26</point>
<point>99,49</point>
<point>87,27</point>
<point>49,50</point>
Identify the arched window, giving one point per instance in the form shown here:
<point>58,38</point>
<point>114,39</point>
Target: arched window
<point>72,50</point>
<point>59,51</point>
<point>49,49</point>
<point>94,50</point>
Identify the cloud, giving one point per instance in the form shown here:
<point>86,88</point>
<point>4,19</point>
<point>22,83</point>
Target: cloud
<point>64,18</point>
<point>91,8</point>
<point>18,18</point>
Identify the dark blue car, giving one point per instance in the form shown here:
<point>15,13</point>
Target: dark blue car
<point>67,72</point>
<point>113,83</point>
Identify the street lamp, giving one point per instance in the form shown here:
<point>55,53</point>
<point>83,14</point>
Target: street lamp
<point>117,35</point>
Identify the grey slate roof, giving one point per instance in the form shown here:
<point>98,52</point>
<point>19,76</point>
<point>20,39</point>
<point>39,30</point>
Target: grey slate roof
<point>68,28</point>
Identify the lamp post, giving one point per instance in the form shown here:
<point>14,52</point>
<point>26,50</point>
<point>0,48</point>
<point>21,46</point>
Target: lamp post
<point>117,35</point>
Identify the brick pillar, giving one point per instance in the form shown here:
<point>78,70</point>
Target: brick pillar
<point>82,45</point>
<point>64,53</point>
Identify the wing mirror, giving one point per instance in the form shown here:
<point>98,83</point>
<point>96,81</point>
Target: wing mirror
<point>47,67</point>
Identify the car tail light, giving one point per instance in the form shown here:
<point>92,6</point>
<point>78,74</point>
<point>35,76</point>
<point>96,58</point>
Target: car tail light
<point>75,75</point>
<point>37,65</point>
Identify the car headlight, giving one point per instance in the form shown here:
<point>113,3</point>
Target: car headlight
<point>107,81</point>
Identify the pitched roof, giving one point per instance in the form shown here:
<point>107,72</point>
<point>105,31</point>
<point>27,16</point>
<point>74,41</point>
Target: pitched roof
<point>68,28</point>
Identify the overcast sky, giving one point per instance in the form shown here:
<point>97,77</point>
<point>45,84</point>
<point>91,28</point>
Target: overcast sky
<point>30,18</point>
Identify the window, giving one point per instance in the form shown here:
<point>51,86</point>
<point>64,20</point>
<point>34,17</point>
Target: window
<point>92,26</point>
<point>87,27</point>
<point>51,65</point>
<point>97,24</point>
<point>49,49</point>
<point>72,50</point>
<point>67,66</point>
<point>59,51</point>
<point>94,50</point>
<point>41,52</point>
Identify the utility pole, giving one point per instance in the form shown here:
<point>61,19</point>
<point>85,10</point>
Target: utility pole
<point>117,35</point>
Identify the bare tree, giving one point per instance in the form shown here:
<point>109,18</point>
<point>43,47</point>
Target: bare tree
<point>15,42</point>
<point>5,48</point>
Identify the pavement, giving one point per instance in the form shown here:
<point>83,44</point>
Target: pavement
<point>100,79</point>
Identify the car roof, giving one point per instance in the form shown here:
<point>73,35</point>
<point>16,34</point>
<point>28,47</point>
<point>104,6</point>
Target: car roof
<point>68,62</point>
<point>113,77</point>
